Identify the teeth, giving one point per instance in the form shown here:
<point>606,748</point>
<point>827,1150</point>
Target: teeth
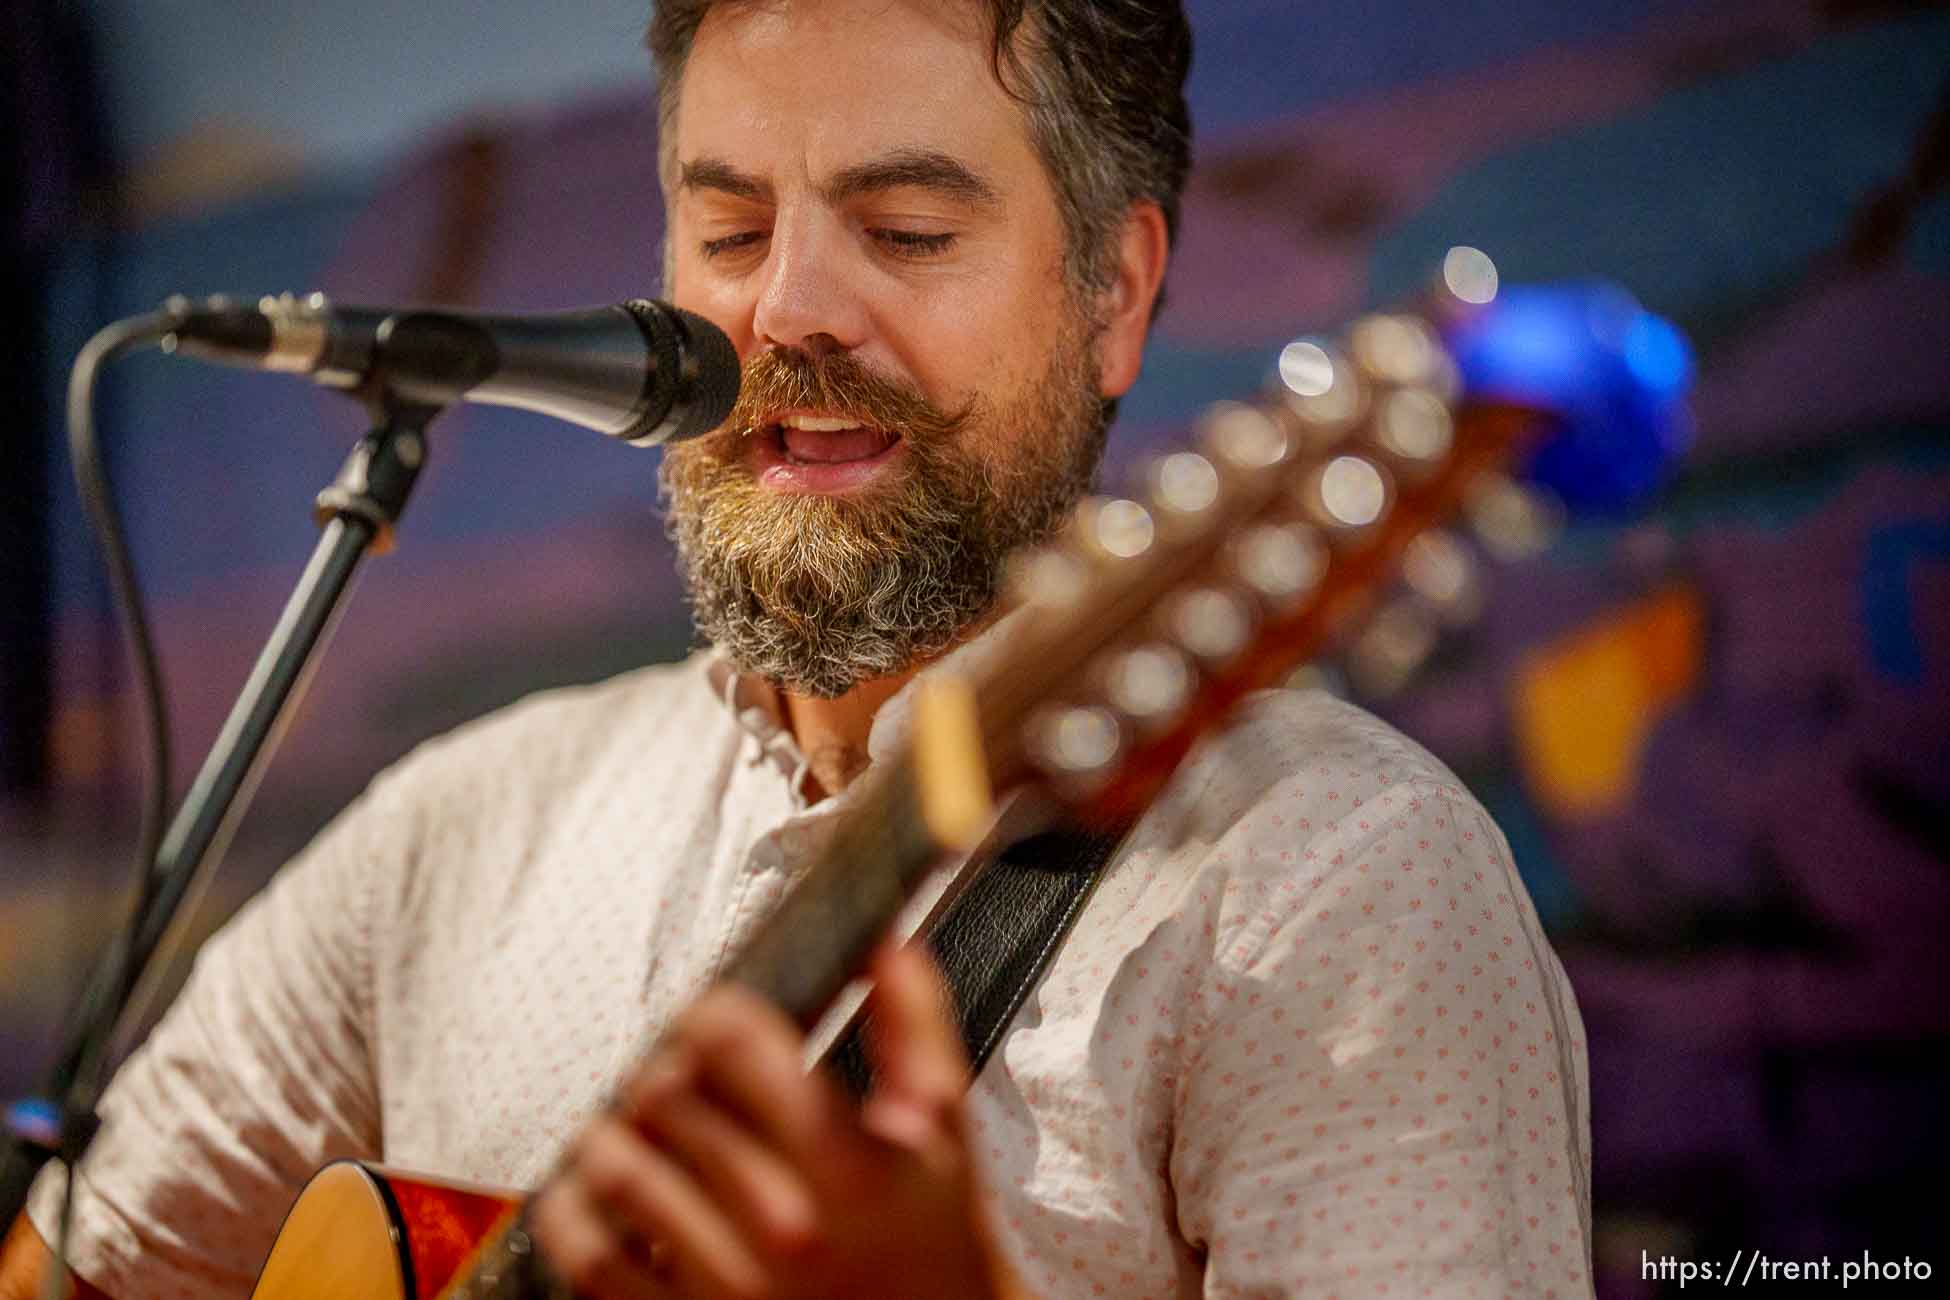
<point>819,423</point>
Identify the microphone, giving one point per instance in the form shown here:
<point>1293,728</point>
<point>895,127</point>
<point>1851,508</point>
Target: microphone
<point>645,372</point>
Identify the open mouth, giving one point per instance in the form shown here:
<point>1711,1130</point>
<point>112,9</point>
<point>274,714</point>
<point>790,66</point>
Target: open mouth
<point>805,439</point>
<point>818,452</point>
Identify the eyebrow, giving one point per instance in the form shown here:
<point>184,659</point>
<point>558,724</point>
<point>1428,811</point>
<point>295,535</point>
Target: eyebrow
<point>717,174</point>
<point>925,169</point>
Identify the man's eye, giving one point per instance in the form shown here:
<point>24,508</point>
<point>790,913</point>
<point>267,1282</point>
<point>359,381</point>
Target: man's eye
<point>913,243</point>
<point>730,243</point>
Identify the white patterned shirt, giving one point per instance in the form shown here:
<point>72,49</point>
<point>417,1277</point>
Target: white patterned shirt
<point>1306,1037</point>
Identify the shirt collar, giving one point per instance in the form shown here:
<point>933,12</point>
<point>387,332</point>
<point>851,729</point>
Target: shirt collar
<point>756,706</point>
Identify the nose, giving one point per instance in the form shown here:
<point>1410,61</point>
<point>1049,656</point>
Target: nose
<point>807,300</point>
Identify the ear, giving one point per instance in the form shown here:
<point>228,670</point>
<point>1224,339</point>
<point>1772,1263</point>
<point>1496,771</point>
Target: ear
<point>1142,251</point>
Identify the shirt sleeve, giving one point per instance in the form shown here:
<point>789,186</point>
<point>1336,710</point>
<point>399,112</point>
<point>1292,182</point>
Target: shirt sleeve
<point>1389,1093</point>
<point>260,1072</point>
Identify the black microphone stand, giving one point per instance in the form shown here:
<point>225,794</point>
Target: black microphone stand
<point>357,513</point>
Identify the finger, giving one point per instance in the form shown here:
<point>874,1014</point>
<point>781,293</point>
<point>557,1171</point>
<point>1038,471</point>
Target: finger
<point>584,1251</point>
<point>752,1058</point>
<point>921,1072</point>
<point>915,1044</point>
<point>635,1184</point>
<point>756,1187</point>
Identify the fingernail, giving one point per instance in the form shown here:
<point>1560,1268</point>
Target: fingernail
<point>899,1122</point>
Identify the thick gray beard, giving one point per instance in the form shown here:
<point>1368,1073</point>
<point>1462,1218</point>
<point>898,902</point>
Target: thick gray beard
<point>818,594</point>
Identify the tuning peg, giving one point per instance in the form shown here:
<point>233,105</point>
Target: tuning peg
<point>1396,349</point>
<point>1113,529</point>
<point>1149,684</point>
<point>1514,521</point>
<point>1414,430</point>
<point>1318,387</point>
<point>1244,438</point>
<point>1213,624</point>
<point>1394,645</point>
<point>1048,577</point>
<point>1182,486</point>
<point>1076,746</point>
<point>1346,496</point>
<point>1469,277</point>
<point>1439,570</point>
<point>1281,564</point>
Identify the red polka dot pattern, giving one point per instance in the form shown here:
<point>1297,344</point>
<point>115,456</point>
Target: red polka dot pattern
<point>1306,1040</point>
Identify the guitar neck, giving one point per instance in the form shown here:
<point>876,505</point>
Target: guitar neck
<point>820,936</point>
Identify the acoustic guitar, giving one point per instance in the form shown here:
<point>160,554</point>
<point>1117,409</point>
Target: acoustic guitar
<point>1306,520</point>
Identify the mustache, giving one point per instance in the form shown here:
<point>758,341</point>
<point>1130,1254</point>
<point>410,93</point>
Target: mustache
<point>781,379</point>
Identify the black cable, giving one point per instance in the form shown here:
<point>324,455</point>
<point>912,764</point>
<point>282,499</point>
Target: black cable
<point>97,499</point>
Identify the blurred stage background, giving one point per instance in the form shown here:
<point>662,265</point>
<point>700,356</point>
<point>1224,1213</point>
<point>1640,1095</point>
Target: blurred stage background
<point>1717,733</point>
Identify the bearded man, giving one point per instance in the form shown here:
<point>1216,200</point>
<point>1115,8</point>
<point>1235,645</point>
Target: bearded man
<point>1306,1037</point>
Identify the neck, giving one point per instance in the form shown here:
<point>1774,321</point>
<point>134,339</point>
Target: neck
<point>832,734</point>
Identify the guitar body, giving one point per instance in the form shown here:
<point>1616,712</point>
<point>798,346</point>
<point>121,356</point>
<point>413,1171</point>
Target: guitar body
<point>363,1232</point>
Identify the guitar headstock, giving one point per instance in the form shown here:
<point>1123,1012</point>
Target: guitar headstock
<point>1316,516</point>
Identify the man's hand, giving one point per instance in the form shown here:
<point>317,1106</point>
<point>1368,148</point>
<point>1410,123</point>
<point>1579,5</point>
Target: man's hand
<point>731,1172</point>
<point>24,1261</point>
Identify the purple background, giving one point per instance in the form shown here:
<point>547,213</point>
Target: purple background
<point>1755,932</point>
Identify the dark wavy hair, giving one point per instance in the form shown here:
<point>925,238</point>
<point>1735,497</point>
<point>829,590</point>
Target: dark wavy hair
<point>1102,84</point>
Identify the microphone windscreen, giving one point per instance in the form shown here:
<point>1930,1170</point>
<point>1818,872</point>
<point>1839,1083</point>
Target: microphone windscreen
<point>708,367</point>
<point>718,375</point>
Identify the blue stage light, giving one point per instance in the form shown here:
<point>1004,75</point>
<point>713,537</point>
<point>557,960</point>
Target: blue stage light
<point>1612,375</point>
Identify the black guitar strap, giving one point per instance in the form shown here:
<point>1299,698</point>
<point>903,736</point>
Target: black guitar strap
<point>996,940</point>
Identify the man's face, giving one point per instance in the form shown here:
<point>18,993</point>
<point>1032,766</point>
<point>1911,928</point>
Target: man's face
<point>858,205</point>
